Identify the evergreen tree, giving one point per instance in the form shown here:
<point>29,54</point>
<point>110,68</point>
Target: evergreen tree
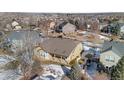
<point>118,71</point>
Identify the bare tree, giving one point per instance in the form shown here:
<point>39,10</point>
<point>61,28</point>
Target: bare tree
<point>25,54</point>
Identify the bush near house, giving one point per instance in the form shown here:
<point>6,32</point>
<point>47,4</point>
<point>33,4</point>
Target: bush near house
<point>12,65</point>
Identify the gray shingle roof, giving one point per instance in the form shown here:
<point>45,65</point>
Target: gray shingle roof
<point>115,46</point>
<point>59,46</point>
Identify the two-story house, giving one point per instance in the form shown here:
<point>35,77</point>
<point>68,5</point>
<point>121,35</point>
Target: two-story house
<point>58,51</point>
<point>111,53</point>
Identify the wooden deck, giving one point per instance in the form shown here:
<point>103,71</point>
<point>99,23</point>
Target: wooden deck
<point>54,60</point>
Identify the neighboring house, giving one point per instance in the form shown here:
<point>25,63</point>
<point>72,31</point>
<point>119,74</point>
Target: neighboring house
<point>18,38</point>
<point>59,26</point>
<point>121,25</point>
<point>69,28</point>
<point>17,28</point>
<point>122,31</point>
<point>113,28</point>
<point>59,50</point>
<point>9,27</point>
<point>112,52</point>
<point>102,25</point>
<point>66,28</point>
<point>52,25</point>
<point>16,25</point>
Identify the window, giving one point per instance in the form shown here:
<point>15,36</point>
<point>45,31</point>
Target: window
<point>109,58</point>
<point>44,54</point>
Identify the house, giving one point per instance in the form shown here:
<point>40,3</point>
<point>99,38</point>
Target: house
<point>59,26</point>
<point>16,26</point>
<point>111,53</point>
<point>52,25</point>
<point>14,23</point>
<point>122,31</point>
<point>69,28</point>
<point>102,25</point>
<point>59,50</point>
<point>66,28</point>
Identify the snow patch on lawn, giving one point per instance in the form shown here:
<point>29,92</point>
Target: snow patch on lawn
<point>52,72</point>
<point>5,59</point>
<point>103,37</point>
<point>86,48</point>
<point>9,75</point>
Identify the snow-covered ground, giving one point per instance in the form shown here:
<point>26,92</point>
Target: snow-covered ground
<point>83,32</point>
<point>86,48</point>
<point>103,37</point>
<point>52,72</point>
<point>7,74</point>
<point>91,44</point>
<point>5,59</point>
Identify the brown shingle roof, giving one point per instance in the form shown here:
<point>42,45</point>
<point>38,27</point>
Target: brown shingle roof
<point>59,46</point>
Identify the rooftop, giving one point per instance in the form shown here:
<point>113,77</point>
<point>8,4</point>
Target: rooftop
<point>115,46</point>
<point>59,46</point>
